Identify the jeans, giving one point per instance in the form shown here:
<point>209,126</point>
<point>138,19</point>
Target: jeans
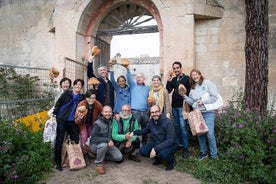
<point>166,154</point>
<point>73,132</point>
<point>103,151</point>
<point>181,126</point>
<point>142,118</point>
<point>209,118</point>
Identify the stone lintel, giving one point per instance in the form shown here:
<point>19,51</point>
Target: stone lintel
<point>205,11</point>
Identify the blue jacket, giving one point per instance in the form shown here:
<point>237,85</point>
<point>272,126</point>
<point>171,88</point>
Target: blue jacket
<point>162,132</point>
<point>101,91</point>
<point>122,94</point>
<point>139,94</point>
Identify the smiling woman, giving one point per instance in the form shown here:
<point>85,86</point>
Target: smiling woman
<point>136,45</point>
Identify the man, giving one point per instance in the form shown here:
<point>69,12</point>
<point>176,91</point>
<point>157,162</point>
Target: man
<point>101,142</point>
<point>125,124</point>
<point>139,100</point>
<point>105,90</point>
<point>177,105</point>
<point>163,143</point>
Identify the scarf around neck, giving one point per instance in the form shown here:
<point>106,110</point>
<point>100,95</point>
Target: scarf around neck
<point>160,91</point>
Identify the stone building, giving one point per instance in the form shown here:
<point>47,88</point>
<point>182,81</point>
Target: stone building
<point>206,34</point>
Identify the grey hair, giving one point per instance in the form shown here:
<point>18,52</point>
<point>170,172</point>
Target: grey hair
<point>156,76</point>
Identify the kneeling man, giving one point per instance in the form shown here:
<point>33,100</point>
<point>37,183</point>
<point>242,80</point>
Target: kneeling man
<point>163,143</point>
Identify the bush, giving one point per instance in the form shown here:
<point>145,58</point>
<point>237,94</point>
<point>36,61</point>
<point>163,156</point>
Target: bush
<point>247,139</point>
<point>24,156</point>
<point>247,149</point>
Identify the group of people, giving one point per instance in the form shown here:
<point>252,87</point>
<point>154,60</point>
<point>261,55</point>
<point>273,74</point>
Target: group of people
<point>118,112</point>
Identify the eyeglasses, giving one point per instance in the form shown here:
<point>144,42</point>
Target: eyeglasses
<point>154,112</point>
<point>125,110</point>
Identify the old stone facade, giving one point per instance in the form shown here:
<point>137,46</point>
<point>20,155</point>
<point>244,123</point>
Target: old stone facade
<point>206,34</point>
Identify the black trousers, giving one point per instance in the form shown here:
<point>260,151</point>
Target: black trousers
<point>73,132</point>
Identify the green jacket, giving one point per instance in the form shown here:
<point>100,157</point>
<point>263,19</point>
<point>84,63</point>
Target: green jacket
<point>119,136</point>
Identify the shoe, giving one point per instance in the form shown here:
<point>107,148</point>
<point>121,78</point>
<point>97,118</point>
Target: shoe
<point>170,166</point>
<point>58,167</point>
<point>86,159</point>
<point>134,158</point>
<point>185,153</point>
<point>118,162</point>
<point>179,147</point>
<point>91,155</point>
<point>201,156</point>
<point>157,162</point>
<point>100,169</point>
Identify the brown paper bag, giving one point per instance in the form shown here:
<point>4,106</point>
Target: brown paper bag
<point>64,155</point>
<point>197,123</point>
<point>76,160</point>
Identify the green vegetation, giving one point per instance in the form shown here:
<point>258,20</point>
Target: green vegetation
<point>24,155</point>
<point>247,149</point>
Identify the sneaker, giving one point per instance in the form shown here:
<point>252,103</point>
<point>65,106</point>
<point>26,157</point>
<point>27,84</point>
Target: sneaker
<point>170,166</point>
<point>58,167</point>
<point>201,156</point>
<point>185,153</point>
<point>100,169</point>
<point>134,158</point>
<point>157,162</point>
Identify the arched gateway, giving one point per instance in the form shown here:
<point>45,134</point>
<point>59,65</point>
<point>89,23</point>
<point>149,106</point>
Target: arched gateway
<point>100,20</point>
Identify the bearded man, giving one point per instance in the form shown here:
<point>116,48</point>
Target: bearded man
<point>122,126</point>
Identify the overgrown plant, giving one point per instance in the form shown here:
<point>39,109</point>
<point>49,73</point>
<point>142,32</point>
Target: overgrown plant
<point>247,148</point>
<point>247,138</point>
<point>24,155</point>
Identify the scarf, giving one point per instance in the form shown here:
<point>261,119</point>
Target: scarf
<point>160,91</point>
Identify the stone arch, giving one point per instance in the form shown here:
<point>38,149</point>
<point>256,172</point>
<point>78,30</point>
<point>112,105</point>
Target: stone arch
<point>95,11</point>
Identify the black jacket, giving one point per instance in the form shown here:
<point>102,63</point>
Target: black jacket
<point>64,105</point>
<point>177,100</point>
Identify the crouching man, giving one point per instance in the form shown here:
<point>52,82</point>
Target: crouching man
<point>120,128</point>
<point>101,142</point>
<point>163,143</point>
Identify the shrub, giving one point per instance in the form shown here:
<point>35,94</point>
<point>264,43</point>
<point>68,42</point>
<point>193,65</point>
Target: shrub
<point>24,156</point>
<point>246,140</point>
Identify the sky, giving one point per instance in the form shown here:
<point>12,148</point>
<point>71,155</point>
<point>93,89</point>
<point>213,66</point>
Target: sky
<point>135,45</point>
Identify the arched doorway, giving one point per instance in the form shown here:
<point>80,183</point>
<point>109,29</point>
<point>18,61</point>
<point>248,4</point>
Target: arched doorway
<point>101,20</point>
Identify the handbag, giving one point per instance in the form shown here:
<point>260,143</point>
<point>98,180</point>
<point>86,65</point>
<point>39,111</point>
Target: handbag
<point>197,123</point>
<point>49,132</point>
<point>75,155</point>
<point>212,106</point>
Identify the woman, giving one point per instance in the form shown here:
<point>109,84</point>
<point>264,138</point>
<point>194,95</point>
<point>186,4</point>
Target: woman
<point>64,112</point>
<point>85,120</point>
<point>122,92</point>
<point>203,87</point>
<point>65,84</point>
<point>161,96</point>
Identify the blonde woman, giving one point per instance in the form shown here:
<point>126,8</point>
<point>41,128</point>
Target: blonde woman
<point>160,95</point>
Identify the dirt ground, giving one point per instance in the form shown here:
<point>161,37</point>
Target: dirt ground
<point>128,172</point>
